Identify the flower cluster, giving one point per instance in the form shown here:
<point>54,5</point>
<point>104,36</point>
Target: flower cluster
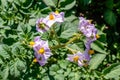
<point>90,32</point>
<point>43,24</point>
<point>41,47</point>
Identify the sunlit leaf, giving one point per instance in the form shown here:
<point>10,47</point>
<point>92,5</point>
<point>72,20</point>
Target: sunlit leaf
<point>49,3</point>
<point>5,73</point>
<point>96,60</point>
<point>112,71</point>
<point>98,46</point>
<point>66,5</point>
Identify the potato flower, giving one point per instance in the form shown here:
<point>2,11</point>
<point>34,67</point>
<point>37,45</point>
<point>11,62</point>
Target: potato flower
<point>55,17</point>
<point>42,51</point>
<point>81,59</point>
<point>41,25</point>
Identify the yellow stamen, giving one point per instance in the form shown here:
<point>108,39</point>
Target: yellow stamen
<point>90,21</point>
<point>51,17</point>
<point>97,36</point>
<point>32,43</point>
<point>56,12</point>
<point>41,51</point>
<point>35,60</point>
<point>75,59</point>
<point>91,52</point>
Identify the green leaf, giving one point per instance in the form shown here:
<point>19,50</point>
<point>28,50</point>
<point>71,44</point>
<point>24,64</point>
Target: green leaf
<point>27,3</point>
<point>114,71</point>
<point>24,28</point>
<point>61,71</point>
<point>68,4</point>
<point>108,69</point>
<point>46,78</point>
<point>67,72</point>
<point>5,73</point>
<point>14,68</point>
<point>109,4</point>
<point>17,2</point>
<point>96,60</point>
<point>3,51</point>
<point>102,35</point>
<point>63,64</point>
<point>4,3</point>
<point>1,61</point>
<point>53,69</point>
<point>102,38</point>
<point>77,46</point>
<point>49,3</point>
<point>21,65</point>
<point>15,50</point>
<point>71,18</point>
<point>98,46</point>
<point>59,77</point>
<point>85,2</point>
<point>68,29</point>
<point>32,22</point>
<point>110,17</point>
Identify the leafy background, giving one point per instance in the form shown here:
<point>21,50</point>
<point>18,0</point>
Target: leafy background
<point>17,29</point>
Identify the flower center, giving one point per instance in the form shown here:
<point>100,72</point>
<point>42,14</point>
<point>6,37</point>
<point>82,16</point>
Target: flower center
<point>97,36</point>
<point>42,25</point>
<point>51,17</point>
<point>90,21</point>
<point>41,51</point>
<point>32,43</point>
<point>75,59</point>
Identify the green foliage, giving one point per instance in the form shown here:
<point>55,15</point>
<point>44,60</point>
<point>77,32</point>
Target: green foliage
<point>98,46</point>
<point>50,3</point>
<point>17,29</point>
<point>85,2</point>
<point>67,5</point>
<point>110,17</point>
<point>112,71</point>
<point>68,30</point>
<point>96,60</point>
<point>109,4</point>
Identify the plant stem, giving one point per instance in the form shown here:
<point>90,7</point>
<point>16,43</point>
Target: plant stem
<point>71,50</point>
<point>65,45</point>
<point>57,3</point>
<point>73,39</point>
<point>55,34</point>
<point>57,46</point>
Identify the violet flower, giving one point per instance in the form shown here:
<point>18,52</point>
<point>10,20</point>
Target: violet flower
<point>80,58</point>
<point>42,51</point>
<point>41,25</point>
<point>86,27</point>
<point>55,17</point>
<point>88,30</point>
